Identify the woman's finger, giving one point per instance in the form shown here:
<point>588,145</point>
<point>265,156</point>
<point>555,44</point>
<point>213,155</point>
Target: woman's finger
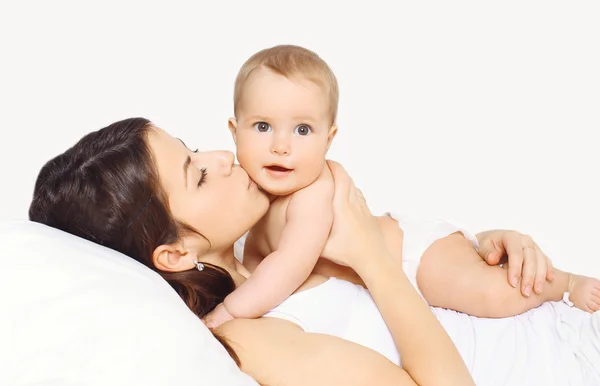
<point>362,202</point>
<point>550,271</point>
<point>342,181</point>
<point>542,269</point>
<point>529,269</point>
<point>358,194</point>
<point>514,250</point>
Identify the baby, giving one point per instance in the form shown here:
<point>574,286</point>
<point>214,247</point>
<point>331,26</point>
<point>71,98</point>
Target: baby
<point>285,105</point>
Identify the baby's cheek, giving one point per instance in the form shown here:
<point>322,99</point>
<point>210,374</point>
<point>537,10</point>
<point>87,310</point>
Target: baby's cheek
<point>250,164</point>
<point>246,156</point>
<point>314,167</point>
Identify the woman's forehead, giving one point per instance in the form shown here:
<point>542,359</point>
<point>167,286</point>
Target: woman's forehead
<point>162,143</point>
<point>170,155</point>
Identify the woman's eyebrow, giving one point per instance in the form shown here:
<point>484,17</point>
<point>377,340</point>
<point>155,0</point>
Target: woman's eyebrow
<point>186,166</point>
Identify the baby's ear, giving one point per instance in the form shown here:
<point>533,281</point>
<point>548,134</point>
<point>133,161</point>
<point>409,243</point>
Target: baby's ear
<point>232,123</point>
<point>332,132</point>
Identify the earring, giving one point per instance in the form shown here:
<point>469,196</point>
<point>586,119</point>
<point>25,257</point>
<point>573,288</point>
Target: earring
<point>199,265</point>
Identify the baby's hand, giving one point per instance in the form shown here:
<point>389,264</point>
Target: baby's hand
<point>217,317</point>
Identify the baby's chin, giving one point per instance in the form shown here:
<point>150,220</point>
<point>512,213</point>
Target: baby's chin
<point>283,187</point>
<point>278,189</point>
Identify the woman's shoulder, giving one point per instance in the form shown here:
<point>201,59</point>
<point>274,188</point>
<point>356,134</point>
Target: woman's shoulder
<point>275,351</point>
<point>241,329</point>
<point>258,342</point>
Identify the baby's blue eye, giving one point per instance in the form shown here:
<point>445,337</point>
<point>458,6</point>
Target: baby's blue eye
<point>262,127</point>
<point>303,130</point>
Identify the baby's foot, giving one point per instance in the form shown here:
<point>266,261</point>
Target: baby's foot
<point>584,292</point>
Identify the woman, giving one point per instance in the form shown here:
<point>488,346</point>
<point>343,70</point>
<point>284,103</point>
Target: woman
<point>135,189</point>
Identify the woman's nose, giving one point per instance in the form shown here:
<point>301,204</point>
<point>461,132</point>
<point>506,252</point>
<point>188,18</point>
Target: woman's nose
<point>220,161</point>
<point>225,160</point>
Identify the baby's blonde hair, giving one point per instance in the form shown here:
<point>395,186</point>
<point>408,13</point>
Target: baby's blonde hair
<point>290,61</point>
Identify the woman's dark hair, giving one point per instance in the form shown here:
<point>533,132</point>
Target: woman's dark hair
<point>106,189</point>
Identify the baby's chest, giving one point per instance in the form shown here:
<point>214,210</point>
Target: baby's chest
<point>270,228</point>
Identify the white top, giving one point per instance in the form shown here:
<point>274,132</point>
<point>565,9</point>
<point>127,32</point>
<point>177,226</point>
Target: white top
<point>550,345</point>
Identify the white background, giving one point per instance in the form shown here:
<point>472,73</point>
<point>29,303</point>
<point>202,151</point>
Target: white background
<point>485,115</point>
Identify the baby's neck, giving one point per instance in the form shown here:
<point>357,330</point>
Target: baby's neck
<point>271,197</point>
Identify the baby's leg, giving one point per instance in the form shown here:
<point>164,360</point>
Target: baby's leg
<point>584,292</point>
<point>452,275</point>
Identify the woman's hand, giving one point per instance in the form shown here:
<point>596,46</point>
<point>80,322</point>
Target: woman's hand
<point>356,240</point>
<point>355,236</point>
<point>526,261</point>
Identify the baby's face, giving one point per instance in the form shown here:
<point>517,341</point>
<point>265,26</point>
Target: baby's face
<point>282,131</point>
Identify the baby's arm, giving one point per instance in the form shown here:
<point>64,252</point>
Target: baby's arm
<point>252,256</point>
<point>308,221</point>
<point>452,275</point>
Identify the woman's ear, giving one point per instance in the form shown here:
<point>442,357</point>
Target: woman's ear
<point>172,258</point>
<point>332,132</point>
<point>232,123</point>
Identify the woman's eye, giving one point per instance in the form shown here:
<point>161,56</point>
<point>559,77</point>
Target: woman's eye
<point>302,130</point>
<point>262,127</point>
<point>203,175</point>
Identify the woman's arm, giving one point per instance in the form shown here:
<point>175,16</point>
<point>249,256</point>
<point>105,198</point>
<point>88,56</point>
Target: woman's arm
<point>453,275</point>
<point>418,335</point>
<point>277,352</point>
<point>428,354</point>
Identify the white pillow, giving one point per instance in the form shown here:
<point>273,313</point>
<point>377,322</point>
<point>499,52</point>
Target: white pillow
<point>76,313</point>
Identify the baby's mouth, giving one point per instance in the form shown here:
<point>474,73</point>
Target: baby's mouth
<point>277,168</point>
<point>277,171</point>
